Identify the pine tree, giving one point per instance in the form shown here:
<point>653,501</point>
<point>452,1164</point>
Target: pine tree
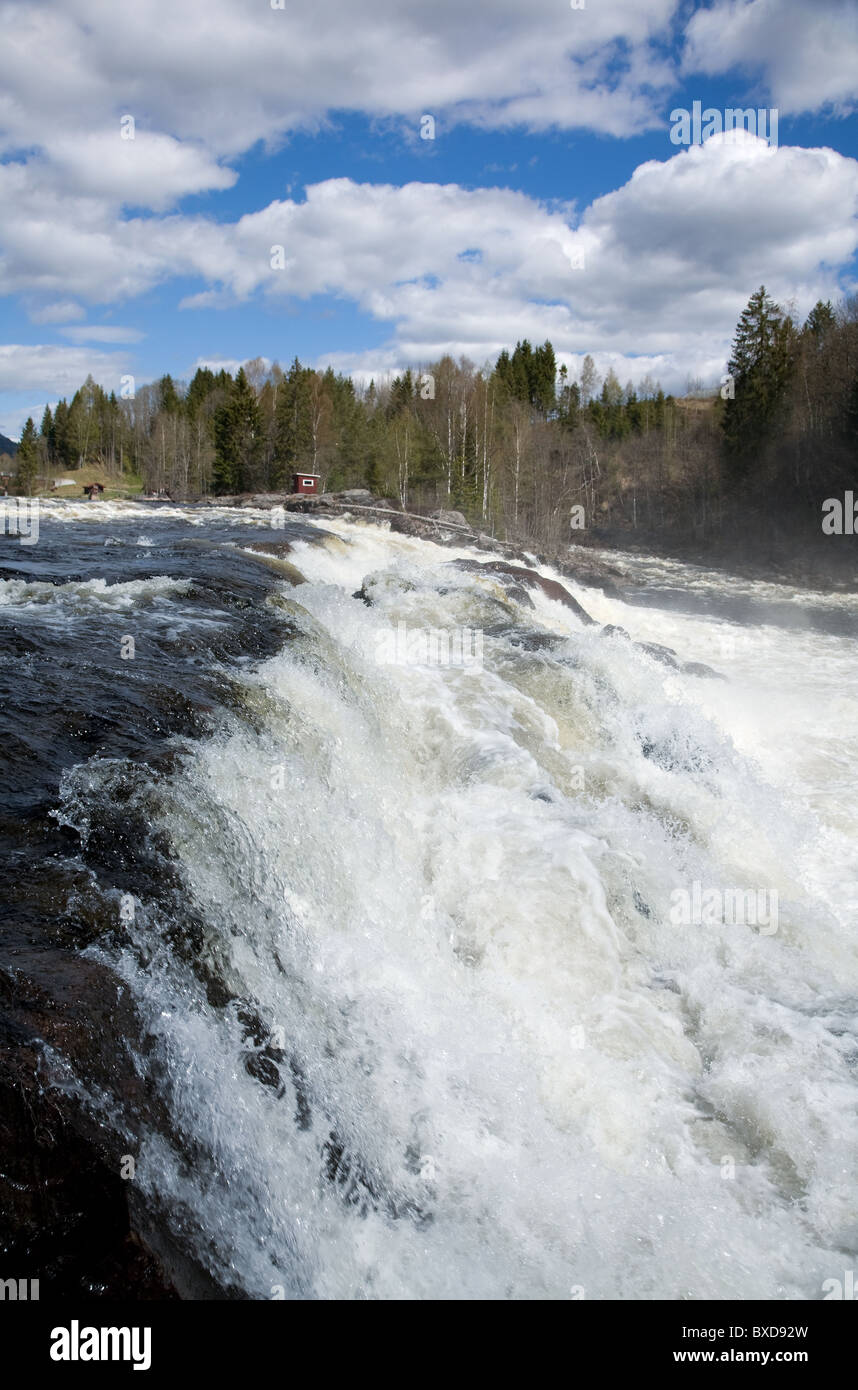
<point>820,321</point>
<point>293,424</point>
<point>237,437</point>
<point>62,446</point>
<point>47,435</point>
<point>760,365</point>
<point>169,399</point>
<point>26,460</point>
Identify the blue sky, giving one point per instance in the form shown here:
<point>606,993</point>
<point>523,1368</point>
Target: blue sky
<point>551,202</point>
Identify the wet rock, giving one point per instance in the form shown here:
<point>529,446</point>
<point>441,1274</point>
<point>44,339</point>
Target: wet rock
<point>451,518</point>
<point>699,668</point>
<point>530,579</point>
<point>64,1210</point>
<point>264,1069</point>
<point>530,641</point>
<point>272,556</point>
<point>270,547</point>
<point>515,591</point>
<point>666,655</point>
<point>358,495</point>
<point>595,574</point>
<point>420,527</point>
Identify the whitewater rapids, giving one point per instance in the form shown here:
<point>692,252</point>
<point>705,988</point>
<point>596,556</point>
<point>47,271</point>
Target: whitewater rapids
<point>482,1061</point>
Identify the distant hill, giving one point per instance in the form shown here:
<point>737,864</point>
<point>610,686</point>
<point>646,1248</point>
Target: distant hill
<point>8,446</point>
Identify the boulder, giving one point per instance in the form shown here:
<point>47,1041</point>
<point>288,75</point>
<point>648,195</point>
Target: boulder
<point>360,496</point>
<point>530,579</point>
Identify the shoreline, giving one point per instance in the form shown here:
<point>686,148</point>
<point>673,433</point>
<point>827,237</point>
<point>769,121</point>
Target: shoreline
<point>785,564</point>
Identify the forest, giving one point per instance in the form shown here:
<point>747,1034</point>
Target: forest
<point>524,452</point>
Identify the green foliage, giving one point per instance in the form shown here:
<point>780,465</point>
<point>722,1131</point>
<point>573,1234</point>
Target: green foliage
<point>236,437</point>
<point>514,446</point>
<point>761,365</point>
<point>529,375</point>
<point>26,461</point>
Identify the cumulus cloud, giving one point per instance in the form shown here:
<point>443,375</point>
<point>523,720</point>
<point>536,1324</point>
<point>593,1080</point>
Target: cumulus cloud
<point>807,51</point>
<point>207,79</point>
<point>225,74</point>
<point>56,370</point>
<point>660,267</point>
<point>148,170</point>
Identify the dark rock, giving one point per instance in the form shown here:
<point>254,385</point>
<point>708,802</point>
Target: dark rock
<point>515,591</point>
<point>595,574</point>
<point>666,655</point>
<point>528,577</point>
<point>451,518</point>
<point>64,1207</point>
<point>360,495</point>
<point>269,547</point>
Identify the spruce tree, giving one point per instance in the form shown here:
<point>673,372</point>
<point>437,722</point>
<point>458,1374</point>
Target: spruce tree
<point>820,321</point>
<point>237,437</point>
<point>26,461</point>
<point>292,424</point>
<point>63,452</point>
<point>760,365</point>
<point>47,434</point>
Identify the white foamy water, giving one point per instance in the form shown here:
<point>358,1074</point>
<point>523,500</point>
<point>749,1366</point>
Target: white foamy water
<point>447,894</point>
<point>86,594</point>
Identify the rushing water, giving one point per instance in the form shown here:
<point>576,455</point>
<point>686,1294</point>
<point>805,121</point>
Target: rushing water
<point>413,1017</point>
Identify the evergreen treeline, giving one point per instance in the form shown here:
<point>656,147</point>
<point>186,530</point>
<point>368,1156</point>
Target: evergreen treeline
<point>516,445</point>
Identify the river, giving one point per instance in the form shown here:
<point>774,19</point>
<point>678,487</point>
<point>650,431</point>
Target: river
<point>395,993</point>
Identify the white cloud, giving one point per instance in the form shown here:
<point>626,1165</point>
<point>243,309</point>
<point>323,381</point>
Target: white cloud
<point>62,311</point>
<point>224,364</point>
<point>56,371</point>
<point>668,263</point>
<point>151,170</point>
<point>102,333</point>
<point>207,79</point>
<point>807,49</point>
<point>225,73</point>
<point>669,259</point>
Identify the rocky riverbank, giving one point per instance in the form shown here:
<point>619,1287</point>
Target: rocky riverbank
<point>443,527</point>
